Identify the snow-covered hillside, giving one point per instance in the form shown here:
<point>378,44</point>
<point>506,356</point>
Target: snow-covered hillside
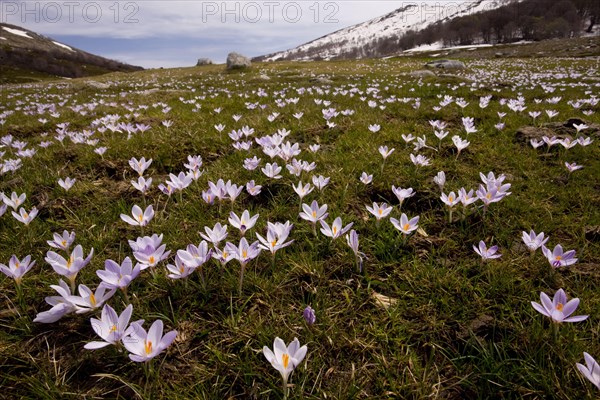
<point>27,51</point>
<point>350,42</point>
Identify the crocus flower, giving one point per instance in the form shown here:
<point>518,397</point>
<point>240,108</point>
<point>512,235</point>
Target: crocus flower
<point>195,256</point>
<point>145,346</point>
<point>405,225</point>
<point>302,190</point>
<point>180,181</point>
<point>460,144</point>
<point>571,167</point>
<point>366,178</point>
<point>233,191</point>
<point>272,171</point>
<point>558,308</point>
<point>140,218</point>
<point>533,241</point>
<point>309,315</point>
<point>166,189</point>
<point>149,251</point>
<point>380,211</point>
<point>277,235</point>
<point>89,300</point>
<point>450,200</point>
<point>402,194</point>
<point>591,370</point>
<point>24,216</point>
<point>118,276</point>
<point>557,258</point>
<point>17,268</point>
<point>466,198</point>
<point>63,241</point>
<point>313,213</point>
<point>142,184</point>
<point>150,256</point>
<point>244,253</point>
<point>140,165</point>
<point>336,230</point>
<point>223,256</point>
<point>320,181</point>
<point>489,195</point>
<point>215,235</point>
<point>285,359</point>
<point>244,222</point>
<point>14,200</point>
<point>440,180</point>
<point>67,183</point>
<point>110,327</point>
<point>70,267</point>
<point>485,253</point>
<point>419,160</point>
<point>385,152</point>
<point>252,188</point>
<point>251,163</point>
<point>352,240</point>
<point>181,269</point>
<point>61,306</point>
<point>219,189</point>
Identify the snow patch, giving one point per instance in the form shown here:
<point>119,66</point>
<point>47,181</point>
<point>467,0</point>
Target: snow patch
<point>17,32</point>
<point>426,47</point>
<point>355,38</point>
<point>3,38</point>
<point>64,46</point>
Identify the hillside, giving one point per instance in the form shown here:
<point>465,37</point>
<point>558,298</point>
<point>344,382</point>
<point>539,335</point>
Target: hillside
<point>357,41</point>
<point>28,56</point>
<point>464,23</point>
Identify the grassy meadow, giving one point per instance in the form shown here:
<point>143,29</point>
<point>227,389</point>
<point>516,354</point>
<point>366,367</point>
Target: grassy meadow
<point>425,318</point>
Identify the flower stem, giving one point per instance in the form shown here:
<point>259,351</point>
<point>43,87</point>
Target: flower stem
<point>241,278</point>
<point>285,389</point>
<point>125,295</point>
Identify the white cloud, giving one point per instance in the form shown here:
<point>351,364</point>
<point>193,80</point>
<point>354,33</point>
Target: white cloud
<point>252,27</point>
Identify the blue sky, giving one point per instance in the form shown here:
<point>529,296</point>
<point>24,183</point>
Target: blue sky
<point>153,33</point>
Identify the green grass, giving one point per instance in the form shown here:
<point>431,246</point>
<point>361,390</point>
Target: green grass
<point>454,327</point>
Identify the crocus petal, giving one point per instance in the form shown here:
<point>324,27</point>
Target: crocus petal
<point>95,345</point>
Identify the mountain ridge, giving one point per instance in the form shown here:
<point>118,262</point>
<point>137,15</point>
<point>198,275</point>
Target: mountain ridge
<point>468,22</point>
<point>28,53</point>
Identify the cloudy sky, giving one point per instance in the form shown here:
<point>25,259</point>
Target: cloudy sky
<point>154,33</point>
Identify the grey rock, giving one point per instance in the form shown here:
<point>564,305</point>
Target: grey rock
<point>204,61</point>
<point>237,61</point>
<point>264,77</point>
<point>98,85</point>
<point>446,64</point>
<point>422,73</point>
<point>322,80</point>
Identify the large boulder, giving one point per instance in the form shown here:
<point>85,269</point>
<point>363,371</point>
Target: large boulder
<point>422,73</point>
<point>204,61</point>
<point>237,61</point>
<point>446,64</point>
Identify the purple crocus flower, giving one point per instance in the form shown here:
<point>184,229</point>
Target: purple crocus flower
<point>591,370</point>
<point>485,253</point>
<point>558,258</point>
<point>558,308</point>
<point>309,315</point>
<point>118,276</point>
<point>534,241</point>
<point>143,345</point>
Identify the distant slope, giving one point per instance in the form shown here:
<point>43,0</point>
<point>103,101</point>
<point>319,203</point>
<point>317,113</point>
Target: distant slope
<point>24,53</point>
<point>357,41</point>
